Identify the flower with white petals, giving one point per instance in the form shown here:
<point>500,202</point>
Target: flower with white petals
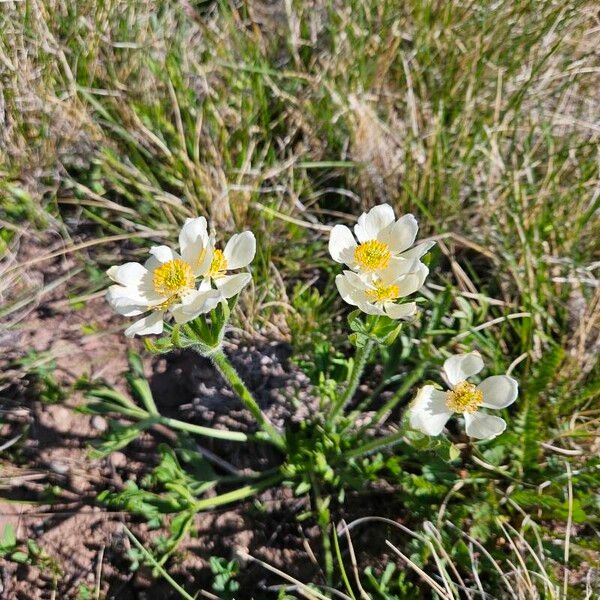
<point>161,284</point>
<point>382,241</point>
<point>378,294</point>
<point>432,408</point>
<point>212,264</point>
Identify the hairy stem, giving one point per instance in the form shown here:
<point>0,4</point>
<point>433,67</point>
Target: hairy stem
<point>376,444</point>
<point>230,375</point>
<point>221,434</point>
<point>323,519</point>
<point>239,494</point>
<point>360,360</point>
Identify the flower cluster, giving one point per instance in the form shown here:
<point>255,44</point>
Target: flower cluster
<point>384,265</point>
<point>185,284</point>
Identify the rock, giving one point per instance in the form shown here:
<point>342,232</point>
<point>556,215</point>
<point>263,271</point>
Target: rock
<point>59,467</point>
<point>117,460</point>
<point>98,423</point>
<point>79,484</point>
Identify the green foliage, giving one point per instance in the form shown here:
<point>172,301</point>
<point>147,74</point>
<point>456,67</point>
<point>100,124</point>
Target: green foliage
<point>178,489</point>
<point>224,573</point>
<point>84,592</point>
<point>40,368</point>
<point>377,329</point>
<point>312,335</point>
<point>27,553</point>
<point>390,584</point>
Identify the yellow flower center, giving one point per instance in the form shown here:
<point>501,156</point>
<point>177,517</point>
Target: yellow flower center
<point>383,293</point>
<point>218,264</point>
<point>173,278</point>
<point>464,398</point>
<point>372,255</point>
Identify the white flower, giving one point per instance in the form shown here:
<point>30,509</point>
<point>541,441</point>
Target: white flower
<point>212,264</point>
<point>163,282</point>
<point>382,241</point>
<point>377,294</point>
<point>167,281</point>
<point>432,408</point>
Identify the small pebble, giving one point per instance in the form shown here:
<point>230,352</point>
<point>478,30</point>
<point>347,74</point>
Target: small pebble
<point>59,467</point>
<point>117,460</point>
<point>79,484</point>
<point>98,423</point>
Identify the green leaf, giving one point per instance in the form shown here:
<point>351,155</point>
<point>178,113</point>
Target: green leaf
<point>9,539</point>
<point>551,506</point>
<point>302,488</point>
<point>120,436</point>
<point>20,557</point>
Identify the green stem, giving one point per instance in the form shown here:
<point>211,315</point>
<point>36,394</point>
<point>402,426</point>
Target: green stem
<point>323,519</point>
<point>221,434</point>
<point>382,414</point>
<point>239,494</point>
<point>340,560</point>
<point>377,444</point>
<point>230,375</point>
<point>157,566</point>
<point>360,361</point>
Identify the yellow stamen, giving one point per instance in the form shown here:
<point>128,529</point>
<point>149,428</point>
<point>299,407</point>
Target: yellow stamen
<point>173,278</point>
<point>464,398</point>
<point>383,293</point>
<point>218,266</point>
<point>372,255</point>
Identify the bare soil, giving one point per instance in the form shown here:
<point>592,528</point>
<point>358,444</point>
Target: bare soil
<point>84,538</point>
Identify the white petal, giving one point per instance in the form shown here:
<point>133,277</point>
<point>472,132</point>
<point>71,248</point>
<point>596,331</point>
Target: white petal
<point>163,253</point>
<point>192,230</point>
<point>205,284</point>
<point>397,268</point>
<point>130,273</point>
<point>151,324</point>
<point>201,263</point>
<point>357,281</point>
<point>195,303</point>
<point>412,282</point>
<point>126,301</point>
<point>400,235</point>
<point>159,256</point>
<point>194,243</point>
<point>499,391</point>
<point>481,426</point>
<point>370,308</point>
<point>371,223</point>
<point>345,289</point>
<point>418,251</point>
<point>240,250</point>
<point>400,311</point>
<point>461,366</point>
<point>428,413</point>
<point>230,285</point>
<point>342,245</point>
<point>422,270</point>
